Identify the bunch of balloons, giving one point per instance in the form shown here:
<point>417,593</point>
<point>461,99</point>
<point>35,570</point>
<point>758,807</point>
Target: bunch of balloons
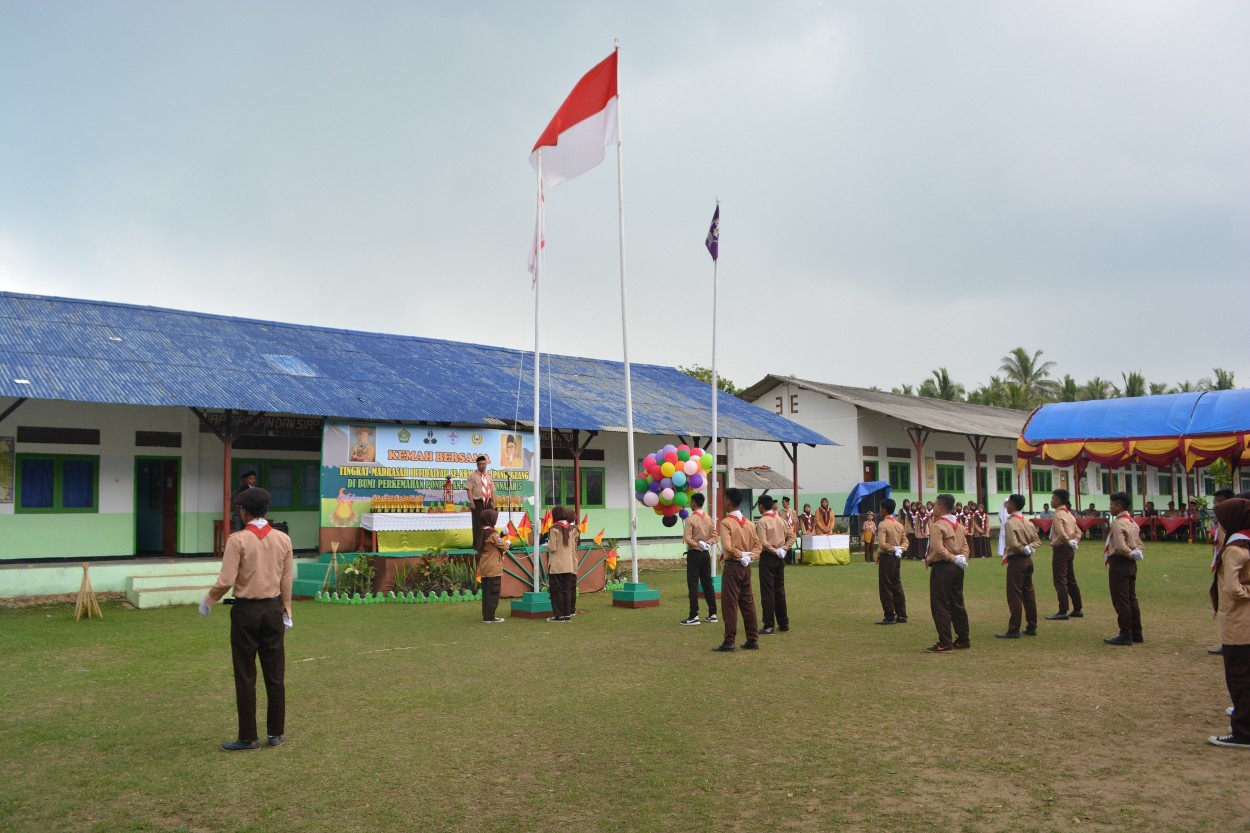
<point>669,477</point>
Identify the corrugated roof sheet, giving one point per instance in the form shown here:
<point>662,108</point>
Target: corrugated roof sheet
<point>934,414</point>
<point>762,477</point>
<point>94,351</point>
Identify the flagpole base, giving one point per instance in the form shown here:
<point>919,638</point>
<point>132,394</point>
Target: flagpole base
<point>532,606</point>
<point>634,595</point>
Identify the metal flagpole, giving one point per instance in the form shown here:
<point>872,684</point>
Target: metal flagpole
<point>536,461</point>
<point>715,448</point>
<point>629,397</point>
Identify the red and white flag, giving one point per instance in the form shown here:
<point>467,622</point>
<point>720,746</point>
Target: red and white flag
<point>586,123</point>
<point>540,237</point>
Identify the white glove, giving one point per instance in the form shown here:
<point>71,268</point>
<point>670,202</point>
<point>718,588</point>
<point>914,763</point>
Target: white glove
<point>898,552</point>
<point>507,543</point>
<point>1073,543</point>
<point>781,552</point>
<point>705,546</point>
<point>961,562</point>
<point>287,624</point>
<point>1137,555</point>
<point>745,559</point>
<point>1028,550</point>
<point>204,608</point>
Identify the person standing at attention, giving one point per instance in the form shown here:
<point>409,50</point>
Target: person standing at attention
<point>909,528</point>
<point>892,543</point>
<point>1022,542</point>
<point>776,537</point>
<point>490,564</point>
<point>825,519</point>
<point>1121,554</point>
<point>246,481</point>
<point>947,560</point>
<point>699,537</point>
<point>869,536</point>
<point>923,515</point>
<point>807,521</point>
<point>1065,537</point>
<point>739,547</point>
<point>1230,592</point>
<point>792,520</point>
<point>258,566</point>
<point>481,489</point>
<point>562,543</point>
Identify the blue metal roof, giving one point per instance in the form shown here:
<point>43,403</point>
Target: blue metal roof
<point>1172,415</point>
<point>94,351</point>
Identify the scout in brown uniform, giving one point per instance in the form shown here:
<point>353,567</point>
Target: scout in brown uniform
<point>909,529</point>
<point>1065,537</point>
<point>947,559</point>
<point>739,547</point>
<point>869,536</point>
<point>825,519</point>
<point>562,545</point>
<point>776,537</point>
<point>258,566</point>
<point>891,544</point>
<point>1121,554</point>
<point>792,520</point>
<point>1022,542</point>
<point>1230,593</point>
<point>699,537</point>
<point>481,489</point>
<point>1217,542</point>
<point>490,564</point>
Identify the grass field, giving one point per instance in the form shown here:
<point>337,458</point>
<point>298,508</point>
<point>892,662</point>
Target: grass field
<point>406,717</point>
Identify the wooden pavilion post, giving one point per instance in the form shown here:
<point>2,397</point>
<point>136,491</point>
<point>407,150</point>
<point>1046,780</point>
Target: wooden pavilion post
<point>977,442</point>
<point>793,454</point>
<point>918,436</point>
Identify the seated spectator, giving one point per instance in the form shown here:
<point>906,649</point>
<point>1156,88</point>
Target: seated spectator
<point>1046,513</point>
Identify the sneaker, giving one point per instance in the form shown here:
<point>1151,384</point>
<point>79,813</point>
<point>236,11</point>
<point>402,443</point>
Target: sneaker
<point>492,621</point>
<point>240,745</point>
<point>939,648</point>
<point>1058,617</point>
<point>767,632</point>
<point>1138,638</point>
<point>275,740</point>
<point>725,648</point>
<point>711,618</point>
<point>751,646</point>
<point>1215,652</point>
<point>962,644</point>
<point>784,629</point>
<point>885,621</point>
<point>1076,614</point>
<point>1008,635</point>
<point>1030,631</point>
<point>693,620</point>
<point>902,620</point>
<point>1229,711</point>
<point>1226,740</point>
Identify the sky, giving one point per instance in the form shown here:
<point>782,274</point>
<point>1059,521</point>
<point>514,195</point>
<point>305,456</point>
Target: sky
<point>904,185</point>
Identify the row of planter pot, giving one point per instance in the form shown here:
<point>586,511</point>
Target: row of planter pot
<point>415,597</point>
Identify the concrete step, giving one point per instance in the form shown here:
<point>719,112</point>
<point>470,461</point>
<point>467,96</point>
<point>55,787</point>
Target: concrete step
<point>167,596</point>
<point>151,582</point>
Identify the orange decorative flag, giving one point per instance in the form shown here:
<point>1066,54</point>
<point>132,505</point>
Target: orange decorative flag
<point>584,526</point>
<point>513,532</point>
<point>478,577</point>
<point>599,537</point>
<point>525,522</point>
<point>547,523</point>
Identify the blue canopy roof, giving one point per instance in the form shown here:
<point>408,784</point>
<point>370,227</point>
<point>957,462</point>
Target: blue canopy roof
<point>861,491</point>
<point>1140,417</point>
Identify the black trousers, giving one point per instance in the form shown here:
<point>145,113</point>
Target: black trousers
<point>562,588</point>
<point>1063,568</point>
<point>773,590</point>
<point>1122,581</point>
<point>890,585</point>
<point>870,548</point>
<point>256,627</point>
<point>490,596</point>
<point>1021,599</point>
<point>946,601</point>
<point>922,547</point>
<point>1237,678</point>
<point>475,514</point>
<point>911,551</point>
<point>699,574</point>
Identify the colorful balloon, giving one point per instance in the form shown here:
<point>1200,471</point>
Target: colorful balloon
<point>681,499</point>
<point>666,495</point>
<point>679,479</point>
<point>640,484</point>
<point>669,520</point>
<point>668,468</point>
<point>683,514</point>
<point>691,467</point>
<point>683,455</point>
<point>706,462</point>
<point>695,481</point>
<point>654,487</point>
<point>651,498</point>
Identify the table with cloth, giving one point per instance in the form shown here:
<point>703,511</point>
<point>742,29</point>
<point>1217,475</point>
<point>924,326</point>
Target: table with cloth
<point>826,549</point>
<point>385,532</point>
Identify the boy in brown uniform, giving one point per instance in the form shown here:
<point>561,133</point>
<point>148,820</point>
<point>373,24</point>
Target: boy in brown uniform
<point>891,544</point>
<point>739,547</point>
<point>490,564</point>
<point>947,559</point>
<point>481,490</point>
<point>1065,537</point>
<point>699,537</point>
<point>1021,542</point>
<point>1230,592</point>
<point>1121,554</point>
<point>776,537</point>
<point>562,543</point>
<point>258,566</point>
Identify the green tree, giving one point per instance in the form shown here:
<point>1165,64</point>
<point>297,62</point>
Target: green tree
<point>942,386</point>
<point>1069,390</point>
<point>1134,384</point>
<point>905,390</point>
<point>1223,379</point>
<point>1098,388</point>
<point>1184,387</point>
<point>1030,373</point>
<point>1158,388</point>
<point>704,375</point>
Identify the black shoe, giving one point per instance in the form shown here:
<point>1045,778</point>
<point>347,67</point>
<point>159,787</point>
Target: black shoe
<point>1076,614</point>
<point>767,632</point>
<point>1008,635</point>
<point>1229,740</point>
<point>1137,637</point>
<point>276,740</point>
<point>784,629</point>
<point>1030,631</point>
<point>753,645</point>
<point>1216,651</point>
<point>902,620</point>
<point>240,745</point>
<point>962,645</point>
<point>726,647</point>
<point>939,648</point>
<point>711,618</point>
<point>1119,640</point>
<point>1058,617</point>
<point>693,620</point>
<point>886,621</point>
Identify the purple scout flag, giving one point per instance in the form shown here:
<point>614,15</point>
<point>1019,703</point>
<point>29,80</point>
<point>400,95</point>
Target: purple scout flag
<point>713,234</point>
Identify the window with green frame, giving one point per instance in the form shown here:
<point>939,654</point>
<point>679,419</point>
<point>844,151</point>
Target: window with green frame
<point>558,489</point>
<point>1043,480</point>
<point>871,469</point>
<point>1165,484</point>
<point>950,478</point>
<point>1002,481</point>
<point>292,484</point>
<point>900,477</point>
<point>57,483</point>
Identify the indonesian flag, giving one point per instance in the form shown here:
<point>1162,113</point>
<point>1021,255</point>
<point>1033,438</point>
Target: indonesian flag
<point>582,128</point>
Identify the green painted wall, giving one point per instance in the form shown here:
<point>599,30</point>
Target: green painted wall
<point>72,535</point>
<point>197,530</point>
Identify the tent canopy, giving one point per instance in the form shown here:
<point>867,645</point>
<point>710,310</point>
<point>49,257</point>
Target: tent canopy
<point>861,491</point>
<point>1197,428</point>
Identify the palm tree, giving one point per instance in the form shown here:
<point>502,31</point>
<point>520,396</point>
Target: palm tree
<point>1134,383</point>
<point>1184,387</point>
<point>1029,372</point>
<point>941,386</point>
<point>906,390</point>
<point>988,394</point>
<point>1069,390</point>
<point>1223,379</point>
<point>1099,388</point>
<point>1158,388</point>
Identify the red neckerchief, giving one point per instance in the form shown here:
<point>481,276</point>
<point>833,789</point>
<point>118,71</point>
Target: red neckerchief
<point>807,519</point>
<point>771,513</point>
<point>949,520</point>
<point>698,514</point>
<point>564,524</point>
<point>259,531</point>
<point>888,518</point>
<point>1019,515</point>
<point>742,521</point>
<point>825,514</point>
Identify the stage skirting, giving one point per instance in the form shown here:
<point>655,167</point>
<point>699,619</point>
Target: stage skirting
<point>826,549</point>
<point>409,531</point>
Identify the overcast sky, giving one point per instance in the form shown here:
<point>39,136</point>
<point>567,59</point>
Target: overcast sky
<point>904,185</point>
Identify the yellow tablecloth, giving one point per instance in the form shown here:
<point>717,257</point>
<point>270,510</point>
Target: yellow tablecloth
<point>825,550</point>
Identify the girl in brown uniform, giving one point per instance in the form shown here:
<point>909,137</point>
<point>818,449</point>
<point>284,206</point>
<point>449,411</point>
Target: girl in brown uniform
<point>490,554</point>
<point>562,546</point>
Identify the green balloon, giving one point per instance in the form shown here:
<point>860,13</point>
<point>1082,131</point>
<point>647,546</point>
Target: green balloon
<point>640,484</point>
<point>681,499</point>
<point>706,462</point>
<point>683,456</point>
